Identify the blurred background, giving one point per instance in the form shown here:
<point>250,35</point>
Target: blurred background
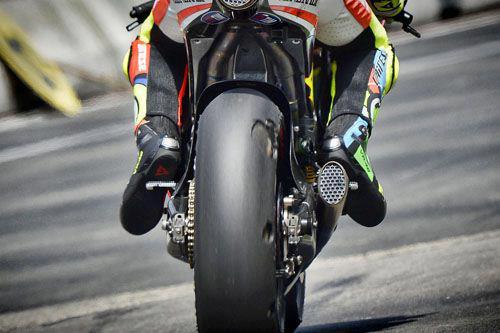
<point>433,265</point>
<point>86,38</point>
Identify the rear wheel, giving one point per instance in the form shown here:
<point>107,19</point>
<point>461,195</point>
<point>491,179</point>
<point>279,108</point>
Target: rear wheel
<point>235,217</point>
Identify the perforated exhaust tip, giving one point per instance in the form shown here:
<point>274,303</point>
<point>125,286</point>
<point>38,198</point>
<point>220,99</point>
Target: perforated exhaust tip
<point>332,183</point>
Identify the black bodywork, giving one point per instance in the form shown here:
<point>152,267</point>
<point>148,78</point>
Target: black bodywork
<point>272,59</point>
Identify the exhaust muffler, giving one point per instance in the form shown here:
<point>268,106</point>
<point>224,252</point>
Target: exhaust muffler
<point>333,187</point>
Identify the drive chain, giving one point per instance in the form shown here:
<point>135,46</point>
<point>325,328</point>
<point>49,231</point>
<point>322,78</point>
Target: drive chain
<point>190,224</point>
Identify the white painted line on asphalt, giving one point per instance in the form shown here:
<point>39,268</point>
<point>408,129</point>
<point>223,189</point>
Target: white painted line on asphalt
<point>73,194</point>
<point>426,65</point>
<point>320,264</point>
<point>64,142</point>
<point>11,123</point>
<point>55,313</point>
<point>111,102</point>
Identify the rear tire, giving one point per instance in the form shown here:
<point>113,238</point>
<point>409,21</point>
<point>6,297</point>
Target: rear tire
<point>295,304</point>
<point>235,216</point>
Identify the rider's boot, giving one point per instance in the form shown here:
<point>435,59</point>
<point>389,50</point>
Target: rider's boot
<point>158,160</point>
<point>346,142</point>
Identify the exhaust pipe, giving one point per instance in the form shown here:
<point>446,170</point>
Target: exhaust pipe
<point>333,186</point>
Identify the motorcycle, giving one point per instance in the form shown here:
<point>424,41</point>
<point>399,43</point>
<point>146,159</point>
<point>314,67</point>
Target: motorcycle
<point>253,207</point>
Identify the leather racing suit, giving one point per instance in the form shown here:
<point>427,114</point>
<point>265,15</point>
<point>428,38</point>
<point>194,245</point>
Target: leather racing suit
<point>362,71</point>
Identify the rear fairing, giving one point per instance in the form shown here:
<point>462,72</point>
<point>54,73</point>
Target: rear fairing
<point>267,46</point>
<point>260,50</point>
<point>182,13</point>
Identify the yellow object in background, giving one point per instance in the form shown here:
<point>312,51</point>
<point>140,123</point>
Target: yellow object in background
<point>40,75</point>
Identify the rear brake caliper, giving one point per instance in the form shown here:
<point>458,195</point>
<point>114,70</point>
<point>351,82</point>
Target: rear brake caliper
<point>298,221</point>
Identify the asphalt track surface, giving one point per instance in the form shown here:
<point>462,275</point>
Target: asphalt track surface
<point>433,265</point>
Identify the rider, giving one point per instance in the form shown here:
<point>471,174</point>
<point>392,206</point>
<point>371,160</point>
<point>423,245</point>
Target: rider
<point>364,69</point>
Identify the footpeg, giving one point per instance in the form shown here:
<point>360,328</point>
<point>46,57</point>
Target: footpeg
<point>353,186</point>
<point>332,184</point>
<point>154,185</point>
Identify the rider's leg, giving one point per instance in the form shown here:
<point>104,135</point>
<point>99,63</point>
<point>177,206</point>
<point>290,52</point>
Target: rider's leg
<point>155,66</point>
<point>364,71</point>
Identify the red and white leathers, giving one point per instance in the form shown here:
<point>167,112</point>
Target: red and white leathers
<point>333,22</point>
